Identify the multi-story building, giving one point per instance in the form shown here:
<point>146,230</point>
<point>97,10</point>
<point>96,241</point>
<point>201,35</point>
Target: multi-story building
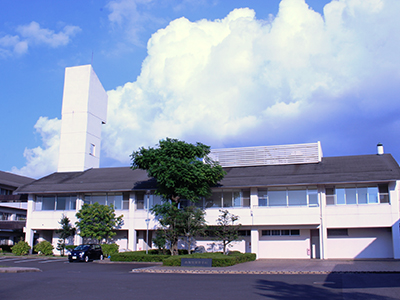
<point>12,208</point>
<point>291,201</point>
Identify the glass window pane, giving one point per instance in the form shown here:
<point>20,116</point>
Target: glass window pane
<point>340,196</point>
<point>276,232</point>
<point>214,200</point>
<point>351,196</point>
<point>383,193</point>
<point>362,193</point>
<point>101,199</point>
<point>61,202</point>
<point>48,202</point>
<point>297,197</point>
<point>285,232</point>
<point>266,232</point>
<point>295,232</point>
<point>312,197</point>
<point>277,197</point>
<point>227,198</point>
<point>262,198</point>
<point>139,200</point>
<point>237,201</point>
<point>246,198</point>
<point>373,195</point>
<point>115,199</point>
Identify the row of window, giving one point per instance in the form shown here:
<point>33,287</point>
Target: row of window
<point>279,232</point>
<point>297,196</point>
<point>357,194</point>
<point>118,200</point>
<point>68,202</point>
<point>271,197</point>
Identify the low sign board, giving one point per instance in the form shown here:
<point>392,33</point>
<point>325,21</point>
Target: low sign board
<point>196,262</point>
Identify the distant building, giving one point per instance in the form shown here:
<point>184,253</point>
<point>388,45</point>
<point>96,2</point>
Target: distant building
<point>12,208</point>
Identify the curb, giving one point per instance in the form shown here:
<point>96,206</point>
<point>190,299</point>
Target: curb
<point>18,270</point>
<point>205,271</point>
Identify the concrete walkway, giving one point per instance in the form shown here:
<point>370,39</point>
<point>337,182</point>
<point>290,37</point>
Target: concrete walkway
<point>289,266</point>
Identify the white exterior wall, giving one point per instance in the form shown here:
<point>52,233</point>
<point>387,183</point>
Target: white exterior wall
<point>84,110</point>
<point>285,246</point>
<point>361,243</point>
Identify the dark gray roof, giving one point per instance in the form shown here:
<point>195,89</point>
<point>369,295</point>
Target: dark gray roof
<point>331,170</point>
<point>13,181</point>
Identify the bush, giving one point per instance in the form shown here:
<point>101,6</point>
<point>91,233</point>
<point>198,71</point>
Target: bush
<point>139,256</point>
<point>109,249</point>
<point>218,259</point>
<point>21,248</point>
<point>44,247</point>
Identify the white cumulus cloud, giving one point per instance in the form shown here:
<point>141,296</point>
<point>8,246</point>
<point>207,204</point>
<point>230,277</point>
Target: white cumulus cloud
<point>42,160</point>
<point>298,77</point>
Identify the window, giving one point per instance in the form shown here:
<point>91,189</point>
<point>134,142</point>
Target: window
<point>290,196</point>
<point>283,232</point>
<point>360,194</point>
<point>92,149</point>
<point>116,199</point>
<point>57,202</point>
<point>229,198</point>
<point>141,200</point>
<point>337,232</point>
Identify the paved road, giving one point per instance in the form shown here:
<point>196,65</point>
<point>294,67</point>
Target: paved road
<point>62,280</point>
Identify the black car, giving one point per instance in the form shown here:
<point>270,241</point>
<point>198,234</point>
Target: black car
<point>86,253</point>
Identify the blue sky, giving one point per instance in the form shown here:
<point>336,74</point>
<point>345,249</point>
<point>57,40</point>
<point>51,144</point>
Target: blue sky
<point>225,73</point>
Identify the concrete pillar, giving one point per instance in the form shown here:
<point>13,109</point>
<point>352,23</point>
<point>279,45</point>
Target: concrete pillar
<point>322,227</point>
<point>255,237</point>
<point>29,232</point>
<point>132,234</point>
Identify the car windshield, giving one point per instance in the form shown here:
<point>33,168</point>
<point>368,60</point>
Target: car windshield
<point>82,247</point>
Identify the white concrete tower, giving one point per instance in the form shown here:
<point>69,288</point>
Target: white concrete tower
<point>84,110</point>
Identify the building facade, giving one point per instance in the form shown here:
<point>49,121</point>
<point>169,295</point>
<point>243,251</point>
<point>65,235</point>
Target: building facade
<point>291,203</point>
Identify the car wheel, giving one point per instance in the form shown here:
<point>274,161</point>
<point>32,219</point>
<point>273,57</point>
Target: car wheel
<point>86,258</point>
<point>101,257</point>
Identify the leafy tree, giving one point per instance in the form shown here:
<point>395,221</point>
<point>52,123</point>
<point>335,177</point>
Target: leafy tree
<point>97,221</point>
<point>194,224</point>
<point>160,240</point>
<point>227,231</point>
<point>170,218</point>
<point>182,170</point>
<point>176,223</point>
<point>66,231</point>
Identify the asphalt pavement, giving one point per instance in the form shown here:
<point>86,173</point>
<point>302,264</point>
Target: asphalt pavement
<point>265,266</point>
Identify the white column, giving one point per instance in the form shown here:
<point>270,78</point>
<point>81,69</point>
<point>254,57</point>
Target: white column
<point>396,240</point>
<point>253,197</point>
<point>79,203</point>
<point>28,227</point>
<point>132,235</point>
<point>255,236</point>
<point>322,228</point>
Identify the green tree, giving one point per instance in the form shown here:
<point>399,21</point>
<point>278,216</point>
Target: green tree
<point>194,224</point>
<point>97,221</point>
<point>175,223</point>
<point>182,170</point>
<point>227,231</point>
<point>66,231</point>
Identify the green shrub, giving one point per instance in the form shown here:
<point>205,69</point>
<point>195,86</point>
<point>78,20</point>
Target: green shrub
<point>44,248</point>
<point>109,249</point>
<point>21,248</point>
<point>218,259</point>
<point>138,256</point>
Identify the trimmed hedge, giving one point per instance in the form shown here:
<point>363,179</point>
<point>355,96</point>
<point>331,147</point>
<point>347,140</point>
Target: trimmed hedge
<point>218,259</point>
<point>139,256</point>
<point>109,249</point>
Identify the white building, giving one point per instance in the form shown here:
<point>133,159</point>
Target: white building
<point>292,201</point>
